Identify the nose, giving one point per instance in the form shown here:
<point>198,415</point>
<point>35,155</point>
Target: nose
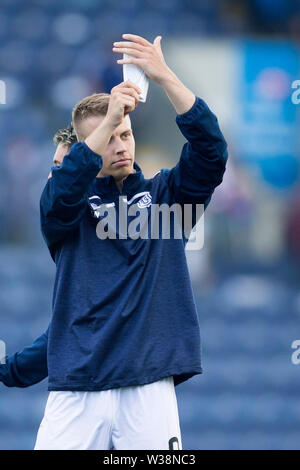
<point>120,146</point>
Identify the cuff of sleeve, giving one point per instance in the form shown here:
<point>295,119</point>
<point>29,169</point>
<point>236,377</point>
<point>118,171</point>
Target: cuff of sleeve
<point>193,113</point>
<point>92,156</point>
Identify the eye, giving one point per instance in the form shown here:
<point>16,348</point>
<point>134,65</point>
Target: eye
<point>127,134</point>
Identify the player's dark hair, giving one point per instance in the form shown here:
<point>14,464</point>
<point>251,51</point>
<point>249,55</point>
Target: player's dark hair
<point>65,136</point>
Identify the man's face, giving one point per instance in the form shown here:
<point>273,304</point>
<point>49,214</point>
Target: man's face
<point>61,151</point>
<point>118,156</point>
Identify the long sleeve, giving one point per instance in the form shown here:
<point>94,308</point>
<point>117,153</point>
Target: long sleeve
<point>63,201</point>
<point>28,366</point>
<point>203,158</point>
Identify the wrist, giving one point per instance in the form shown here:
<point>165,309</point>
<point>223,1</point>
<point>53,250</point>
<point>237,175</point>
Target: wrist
<point>168,78</point>
<point>108,126</point>
<point>99,138</point>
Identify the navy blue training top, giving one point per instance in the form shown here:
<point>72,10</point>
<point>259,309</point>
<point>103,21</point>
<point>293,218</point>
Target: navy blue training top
<point>123,309</point>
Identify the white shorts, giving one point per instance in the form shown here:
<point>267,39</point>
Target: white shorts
<point>128,418</point>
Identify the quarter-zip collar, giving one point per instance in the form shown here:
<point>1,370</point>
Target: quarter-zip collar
<point>106,185</point>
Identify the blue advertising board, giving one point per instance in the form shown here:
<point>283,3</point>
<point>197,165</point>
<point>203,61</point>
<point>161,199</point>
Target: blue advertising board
<point>269,122</point>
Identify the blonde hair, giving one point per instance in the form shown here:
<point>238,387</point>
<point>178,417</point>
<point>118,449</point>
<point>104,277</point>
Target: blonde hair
<point>93,105</point>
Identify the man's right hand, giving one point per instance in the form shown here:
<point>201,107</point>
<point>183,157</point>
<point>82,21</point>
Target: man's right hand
<point>123,100</point>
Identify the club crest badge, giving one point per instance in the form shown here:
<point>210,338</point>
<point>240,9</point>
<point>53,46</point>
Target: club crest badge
<point>145,201</point>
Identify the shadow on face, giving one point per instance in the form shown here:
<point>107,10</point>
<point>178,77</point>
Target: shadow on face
<point>118,156</point>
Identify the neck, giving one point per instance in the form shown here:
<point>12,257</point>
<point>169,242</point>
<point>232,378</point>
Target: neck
<point>119,182</point>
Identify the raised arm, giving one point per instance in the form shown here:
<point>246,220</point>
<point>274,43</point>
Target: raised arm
<point>27,367</point>
<point>64,199</point>
<point>202,163</point>
<point>203,158</point>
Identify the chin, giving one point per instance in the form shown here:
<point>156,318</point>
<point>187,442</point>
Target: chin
<point>125,171</point>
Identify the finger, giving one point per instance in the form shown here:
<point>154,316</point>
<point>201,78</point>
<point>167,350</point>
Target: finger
<point>125,96</point>
<point>137,39</point>
<point>130,92</point>
<point>134,45</point>
<point>129,51</point>
<point>129,102</point>
<point>131,60</point>
<point>129,105</point>
<point>128,84</point>
<point>157,41</point>
<point>129,88</point>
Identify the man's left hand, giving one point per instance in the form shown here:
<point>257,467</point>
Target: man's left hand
<point>146,55</point>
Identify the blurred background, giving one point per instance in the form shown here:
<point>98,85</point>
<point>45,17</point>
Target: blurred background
<point>242,58</point>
